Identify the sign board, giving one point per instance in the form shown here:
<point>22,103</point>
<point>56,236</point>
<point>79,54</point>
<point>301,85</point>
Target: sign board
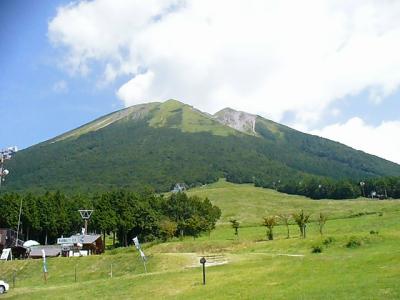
<point>5,254</point>
<point>70,240</point>
<point>136,242</point>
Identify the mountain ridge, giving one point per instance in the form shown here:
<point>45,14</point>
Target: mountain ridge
<point>159,144</point>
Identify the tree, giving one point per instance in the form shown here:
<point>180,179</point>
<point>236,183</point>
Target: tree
<point>62,221</point>
<point>270,222</point>
<point>301,220</point>
<point>195,225</point>
<point>235,225</point>
<point>167,229</point>
<point>177,207</point>
<point>191,214</point>
<point>212,214</point>
<point>9,207</point>
<point>31,217</point>
<point>48,217</point>
<point>285,219</point>
<point>105,217</point>
<point>125,210</point>
<point>321,221</point>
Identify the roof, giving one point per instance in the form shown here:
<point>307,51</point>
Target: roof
<point>87,238</point>
<point>50,250</point>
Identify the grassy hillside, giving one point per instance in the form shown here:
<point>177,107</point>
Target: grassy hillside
<point>173,114</point>
<point>247,267</point>
<point>250,204</point>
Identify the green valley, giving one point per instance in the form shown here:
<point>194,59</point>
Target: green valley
<point>359,258</point>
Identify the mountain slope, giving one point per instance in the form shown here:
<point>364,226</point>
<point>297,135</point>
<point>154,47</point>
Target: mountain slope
<point>159,144</point>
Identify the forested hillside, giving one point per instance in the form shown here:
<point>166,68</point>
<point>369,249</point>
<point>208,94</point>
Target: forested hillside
<point>160,144</point>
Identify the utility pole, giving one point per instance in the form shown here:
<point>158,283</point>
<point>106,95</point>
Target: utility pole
<point>19,221</point>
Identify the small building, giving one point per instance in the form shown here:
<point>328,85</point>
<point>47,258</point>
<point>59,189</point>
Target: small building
<point>81,245</point>
<point>50,251</point>
<point>93,243</point>
<point>179,188</point>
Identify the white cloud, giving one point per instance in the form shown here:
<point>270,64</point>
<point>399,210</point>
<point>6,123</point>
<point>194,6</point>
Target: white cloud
<point>265,57</point>
<point>60,87</point>
<point>136,89</point>
<point>381,140</point>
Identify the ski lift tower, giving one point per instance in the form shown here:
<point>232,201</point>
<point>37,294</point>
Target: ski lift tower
<point>85,214</point>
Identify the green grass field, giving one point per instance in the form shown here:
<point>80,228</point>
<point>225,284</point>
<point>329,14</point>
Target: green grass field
<point>244,267</point>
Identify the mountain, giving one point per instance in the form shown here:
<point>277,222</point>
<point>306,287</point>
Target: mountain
<point>160,144</point>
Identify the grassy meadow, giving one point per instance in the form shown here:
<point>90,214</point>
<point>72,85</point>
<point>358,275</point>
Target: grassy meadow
<point>243,267</point>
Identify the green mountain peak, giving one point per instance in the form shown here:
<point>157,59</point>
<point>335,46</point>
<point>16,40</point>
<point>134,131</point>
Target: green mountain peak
<point>160,144</point>
<point>175,114</point>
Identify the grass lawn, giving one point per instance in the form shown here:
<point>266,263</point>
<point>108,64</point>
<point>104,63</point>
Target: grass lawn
<point>243,267</point>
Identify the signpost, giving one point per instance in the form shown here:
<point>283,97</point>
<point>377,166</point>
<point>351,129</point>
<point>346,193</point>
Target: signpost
<point>203,262</point>
<point>5,254</point>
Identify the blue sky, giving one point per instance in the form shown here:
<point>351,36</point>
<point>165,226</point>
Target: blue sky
<point>331,71</point>
<point>32,109</point>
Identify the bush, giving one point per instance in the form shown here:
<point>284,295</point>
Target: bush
<point>374,232</point>
<point>329,240</point>
<point>363,213</point>
<point>354,242</point>
<point>316,249</point>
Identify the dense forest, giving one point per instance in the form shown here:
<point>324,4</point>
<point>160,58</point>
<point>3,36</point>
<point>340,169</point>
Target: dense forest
<point>46,217</point>
<point>325,188</point>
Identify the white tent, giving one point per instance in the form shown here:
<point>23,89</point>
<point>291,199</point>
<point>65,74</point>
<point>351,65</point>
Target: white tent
<point>30,243</point>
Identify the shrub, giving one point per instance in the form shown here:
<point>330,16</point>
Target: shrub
<point>301,220</point>
<point>316,249</point>
<point>363,213</point>
<point>321,221</point>
<point>329,240</point>
<point>354,242</point>
<point>270,222</point>
<point>235,225</point>
<point>374,232</point>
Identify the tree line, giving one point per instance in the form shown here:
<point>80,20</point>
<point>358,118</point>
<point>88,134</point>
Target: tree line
<point>325,188</point>
<point>124,214</point>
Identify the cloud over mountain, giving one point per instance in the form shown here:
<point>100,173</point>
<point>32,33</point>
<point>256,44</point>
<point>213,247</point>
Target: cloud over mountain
<point>273,58</point>
<point>264,56</point>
